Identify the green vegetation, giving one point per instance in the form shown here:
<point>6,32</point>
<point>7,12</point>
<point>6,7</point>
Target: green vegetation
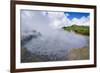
<point>84,30</point>
<point>78,54</point>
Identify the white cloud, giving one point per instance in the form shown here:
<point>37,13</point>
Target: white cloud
<point>82,21</point>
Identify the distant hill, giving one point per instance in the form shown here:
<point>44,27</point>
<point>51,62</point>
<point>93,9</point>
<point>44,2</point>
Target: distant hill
<point>84,30</point>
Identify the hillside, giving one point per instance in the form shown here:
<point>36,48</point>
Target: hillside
<point>84,30</point>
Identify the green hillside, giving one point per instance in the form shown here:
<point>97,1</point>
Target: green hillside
<point>84,30</point>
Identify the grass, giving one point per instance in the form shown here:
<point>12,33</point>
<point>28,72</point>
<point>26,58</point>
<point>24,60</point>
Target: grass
<point>84,30</point>
<point>78,54</point>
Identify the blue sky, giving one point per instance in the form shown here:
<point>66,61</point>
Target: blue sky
<point>76,15</point>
